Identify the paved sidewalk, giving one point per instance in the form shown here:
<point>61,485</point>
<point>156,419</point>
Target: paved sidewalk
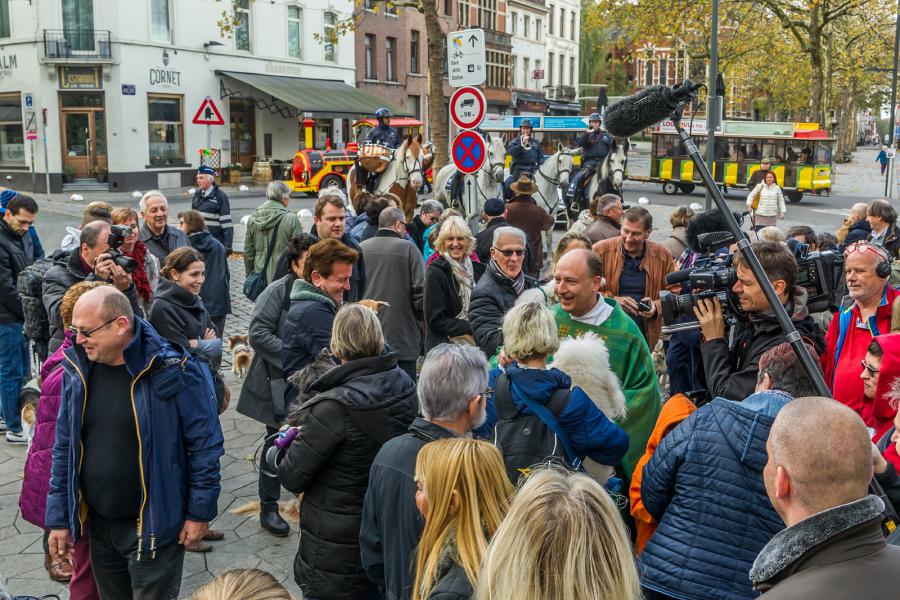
<point>246,544</point>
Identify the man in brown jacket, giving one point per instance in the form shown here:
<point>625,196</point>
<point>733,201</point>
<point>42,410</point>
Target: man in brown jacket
<point>833,547</point>
<point>635,270</point>
<point>607,211</point>
<point>523,212</point>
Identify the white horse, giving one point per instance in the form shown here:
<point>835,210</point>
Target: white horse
<point>552,176</point>
<point>610,174</point>
<point>403,176</point>
<point>489,178</point>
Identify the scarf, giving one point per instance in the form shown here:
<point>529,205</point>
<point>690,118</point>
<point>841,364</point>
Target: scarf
<point>517,284</point>
<point>139,277</point>
<point>464,275</point>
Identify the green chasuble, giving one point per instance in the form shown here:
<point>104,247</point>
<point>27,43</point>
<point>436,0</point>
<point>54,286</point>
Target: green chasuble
<point>629,359</point>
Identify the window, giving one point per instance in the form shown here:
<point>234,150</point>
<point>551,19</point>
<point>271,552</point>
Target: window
<point>537,67</point>
<point>166,129</point>
<point>370,57</point>
<point>648,75</point>
<point>242,31</point>
<point>390,47</point>
<point>562,69</point>
<point>663,71</point>
<point>572,28</point>
<point>538,29</point>
<point>414,106</point>
<point>562,22</point>
<point>464,13</point>
<point>498,69</point>
<point>159,21</point>
<point>295,31</point>
<point>572,71</point>
<point>487,14</point>
<point>78,24</point>
<point>512,68</point>
<point>551,14</point>
<point>448,8</point>
<point>369,4</point>
<point>329,36</point>
<point>526,26</point>
<point>4,19</point>
<point>550,62</point>
<point>526,71</point>
<point>414,52</point>
<point>12,138</point>
<point>514,24</point>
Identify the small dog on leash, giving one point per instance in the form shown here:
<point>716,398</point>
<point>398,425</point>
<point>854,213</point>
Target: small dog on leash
<point>28,401</point>
<point>241,354</point>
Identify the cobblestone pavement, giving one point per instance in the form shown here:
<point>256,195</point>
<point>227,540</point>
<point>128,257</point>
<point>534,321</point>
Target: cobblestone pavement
<point>246,544</point>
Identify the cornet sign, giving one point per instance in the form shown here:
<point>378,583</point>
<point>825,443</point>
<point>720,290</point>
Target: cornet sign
<point>467,107</point>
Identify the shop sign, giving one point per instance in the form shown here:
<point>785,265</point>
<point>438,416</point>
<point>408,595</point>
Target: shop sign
<point>165,77</point>
<point>762,129</point>
<point>80,78</point>
<point>8,62</point>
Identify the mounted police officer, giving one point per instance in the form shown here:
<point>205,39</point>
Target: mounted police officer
<point>526,154</point>
<point>383,133</point>
<point>595,144</point>
<point>212,204</point>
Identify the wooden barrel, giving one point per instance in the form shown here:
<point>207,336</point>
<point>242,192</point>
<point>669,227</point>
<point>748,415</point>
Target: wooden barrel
<point>262,172</point>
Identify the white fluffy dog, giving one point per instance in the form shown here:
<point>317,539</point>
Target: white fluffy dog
<point>586,360</point>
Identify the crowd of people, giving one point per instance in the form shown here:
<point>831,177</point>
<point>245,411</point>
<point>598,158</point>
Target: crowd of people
<point>456,419</point>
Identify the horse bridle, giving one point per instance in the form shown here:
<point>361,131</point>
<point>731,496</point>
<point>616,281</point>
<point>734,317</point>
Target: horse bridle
<point>417,168</point>
<point>559,172</point>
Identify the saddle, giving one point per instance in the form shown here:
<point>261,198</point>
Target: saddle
<point>375,158</point>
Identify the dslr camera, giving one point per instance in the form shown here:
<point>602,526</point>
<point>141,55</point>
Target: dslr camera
<point>117,235</point>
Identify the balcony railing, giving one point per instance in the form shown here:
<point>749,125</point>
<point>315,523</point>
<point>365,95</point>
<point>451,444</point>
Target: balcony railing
<point>88,44</point>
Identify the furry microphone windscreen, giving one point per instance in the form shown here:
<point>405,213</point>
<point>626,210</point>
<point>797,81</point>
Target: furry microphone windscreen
<point>635,113</point>
<point>705,222</point>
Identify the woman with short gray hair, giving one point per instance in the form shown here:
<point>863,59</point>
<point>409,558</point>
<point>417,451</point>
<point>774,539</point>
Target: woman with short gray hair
<point>269,229</point>
<point>357,406</point>
<point>529,337</point>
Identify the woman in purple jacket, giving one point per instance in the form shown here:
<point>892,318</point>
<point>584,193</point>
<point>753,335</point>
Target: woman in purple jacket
<point>36,486</point>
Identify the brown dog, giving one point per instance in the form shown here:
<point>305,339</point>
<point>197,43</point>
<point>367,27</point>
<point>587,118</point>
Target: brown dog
<point>241,354</point>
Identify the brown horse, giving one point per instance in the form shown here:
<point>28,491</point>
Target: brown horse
<point>402,177</point>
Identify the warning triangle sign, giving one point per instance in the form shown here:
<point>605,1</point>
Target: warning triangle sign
<point>208,114</point>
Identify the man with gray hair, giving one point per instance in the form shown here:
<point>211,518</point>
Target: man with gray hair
<point>269,229</point>
<point>159,237</point>
<point>497,290</point>
<point>833,546</point>
<point>452,401</point>
<point>429,213</point>
<point>396,276</point>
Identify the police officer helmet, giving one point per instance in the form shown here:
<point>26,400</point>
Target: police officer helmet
<point>526,123</point>
<point>383,113</point>
<point>594,117</point>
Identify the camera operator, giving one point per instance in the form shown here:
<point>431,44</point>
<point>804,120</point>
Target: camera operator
<point>731,364</point>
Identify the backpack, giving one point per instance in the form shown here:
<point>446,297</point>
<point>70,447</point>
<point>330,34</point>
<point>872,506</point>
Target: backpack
<point>30,284</point>
<point>528,440</point>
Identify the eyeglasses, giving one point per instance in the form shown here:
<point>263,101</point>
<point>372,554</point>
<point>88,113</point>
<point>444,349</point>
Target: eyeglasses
<point>871,370</point>
<point>88,333</point>
<point>509,252</point>
<point>863,247</point>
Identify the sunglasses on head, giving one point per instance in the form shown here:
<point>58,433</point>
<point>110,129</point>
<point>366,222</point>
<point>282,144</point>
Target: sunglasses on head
<point>510,252</point>
<point>863,247</point>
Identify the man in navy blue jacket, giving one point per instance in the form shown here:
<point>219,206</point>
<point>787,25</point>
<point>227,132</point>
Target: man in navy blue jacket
<point>136,455</point>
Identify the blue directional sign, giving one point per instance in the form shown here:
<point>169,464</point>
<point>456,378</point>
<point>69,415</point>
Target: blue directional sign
<point>565,122</point>
<point>468,151</point>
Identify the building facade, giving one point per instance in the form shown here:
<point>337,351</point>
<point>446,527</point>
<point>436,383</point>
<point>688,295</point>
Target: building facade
<point>526,25</point>
<point>391,56</point>
<point>562,55</point>
<point>490,15</point>
<point>115,91</point>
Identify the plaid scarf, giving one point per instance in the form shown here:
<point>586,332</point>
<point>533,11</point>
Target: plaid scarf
<point>517,284</point>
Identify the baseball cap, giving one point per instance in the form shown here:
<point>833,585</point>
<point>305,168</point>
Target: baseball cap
<point>494,207</point>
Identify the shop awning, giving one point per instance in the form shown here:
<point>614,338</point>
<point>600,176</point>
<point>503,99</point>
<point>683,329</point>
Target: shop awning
<point>318,97</point>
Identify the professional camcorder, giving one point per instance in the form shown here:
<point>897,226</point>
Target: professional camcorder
<point>713,276</point>
<point>117,235</point>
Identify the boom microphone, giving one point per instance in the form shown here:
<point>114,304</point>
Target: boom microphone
<point>646,108</point>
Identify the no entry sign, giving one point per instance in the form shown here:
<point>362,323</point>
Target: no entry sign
<point>468,152</point>
<point>467,107</point>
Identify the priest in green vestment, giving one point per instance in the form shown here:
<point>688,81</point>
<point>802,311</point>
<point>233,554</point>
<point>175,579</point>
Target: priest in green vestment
<point>582,309</point>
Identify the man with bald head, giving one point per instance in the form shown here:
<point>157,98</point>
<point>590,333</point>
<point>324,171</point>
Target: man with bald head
<point>583,309</point>
<point>865,313</point>
<point>858,227</point>
<point>136,452</point>
<point>833,547</point>
<point>90,262</point>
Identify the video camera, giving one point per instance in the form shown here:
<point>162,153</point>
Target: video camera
<point>117,235</point>
<point>713,276</point>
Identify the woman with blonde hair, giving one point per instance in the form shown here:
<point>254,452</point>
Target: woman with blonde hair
<point>243,584</point>
<point>463,493</point>
<point>449,280</point>
<point>563,539</point>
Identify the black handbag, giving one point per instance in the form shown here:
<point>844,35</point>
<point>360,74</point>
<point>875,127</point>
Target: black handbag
<point>256,282</point>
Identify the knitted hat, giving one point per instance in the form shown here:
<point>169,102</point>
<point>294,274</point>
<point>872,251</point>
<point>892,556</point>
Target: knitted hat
<point>494,207</point>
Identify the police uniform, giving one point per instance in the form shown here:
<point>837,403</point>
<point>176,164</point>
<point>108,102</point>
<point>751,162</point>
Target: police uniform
<point>595,145</point>
<point>384,135</point>
<point>213,206</point>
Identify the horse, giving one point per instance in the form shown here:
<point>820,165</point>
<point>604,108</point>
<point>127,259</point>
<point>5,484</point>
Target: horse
<point>552,175</point>
<point>610,174</point>
<point>488,179</point>
<point>402,177</point>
